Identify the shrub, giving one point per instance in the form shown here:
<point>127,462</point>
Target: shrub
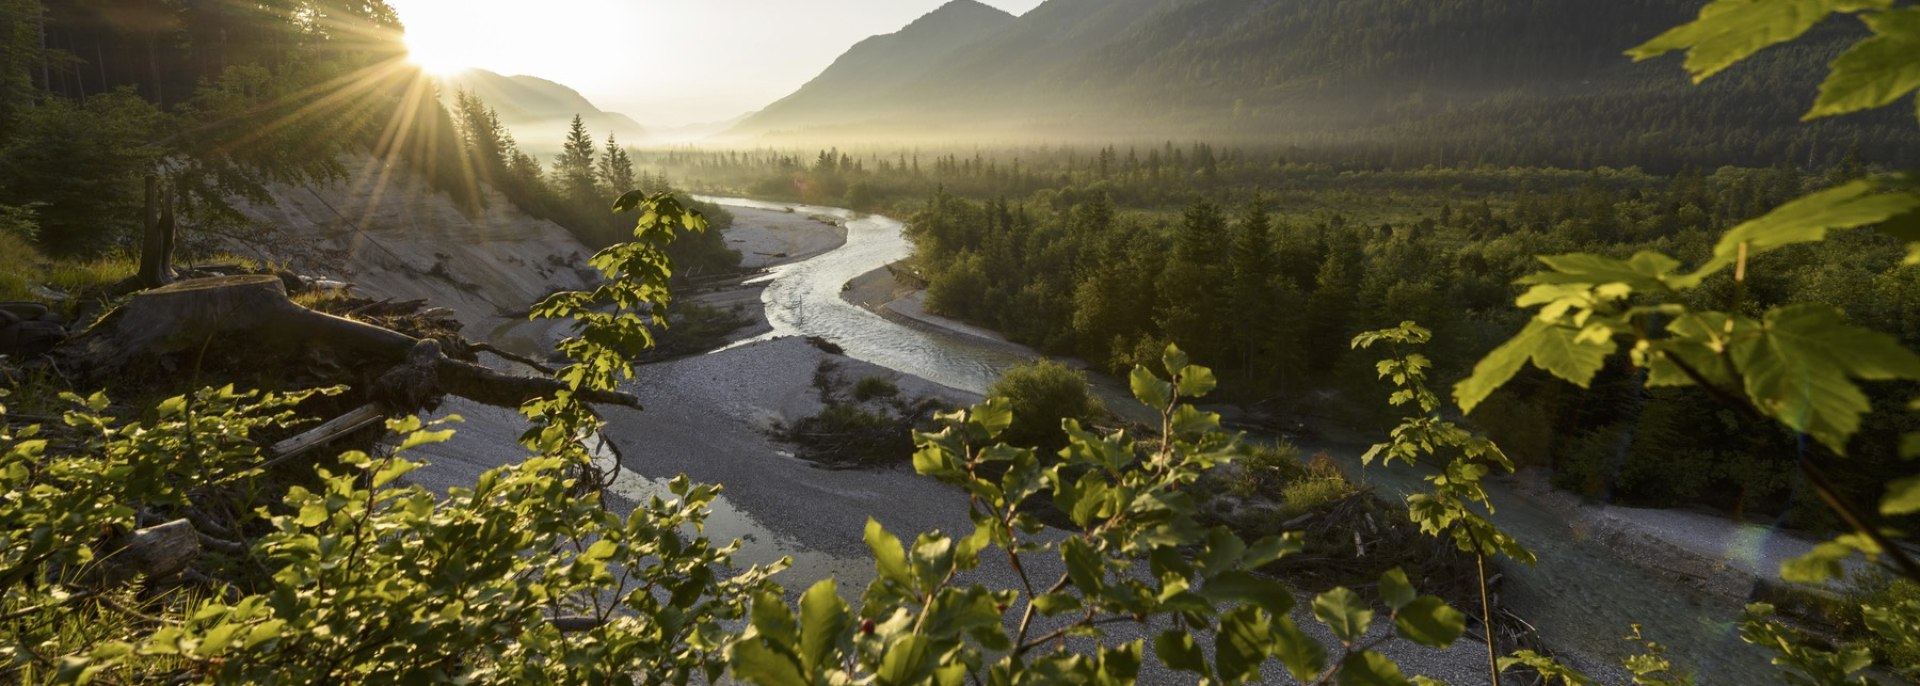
<point>874,387</point>
<point>1041,394</point>
<point>1266,469</point>
<point>1321,484</point>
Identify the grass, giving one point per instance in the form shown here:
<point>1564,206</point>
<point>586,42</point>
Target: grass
<point>19,269</point>
<point>24,267</point>
<point>1321,485</point>
<point>873,387</point>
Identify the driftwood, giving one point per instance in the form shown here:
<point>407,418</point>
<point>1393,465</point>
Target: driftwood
<point>254,310</point>
<point>360,418</point>
<point>156,552</point>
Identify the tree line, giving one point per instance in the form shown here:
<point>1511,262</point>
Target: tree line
<point>1264,291</point>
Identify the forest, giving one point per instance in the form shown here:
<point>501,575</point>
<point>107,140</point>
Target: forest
<point>1721,321</point>
<point>1246,262</point>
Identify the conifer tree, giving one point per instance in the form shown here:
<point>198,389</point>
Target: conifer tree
<point>574,168</point>
<point>616,167</point>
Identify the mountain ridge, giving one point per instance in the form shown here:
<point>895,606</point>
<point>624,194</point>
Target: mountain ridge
<point>867,72</point>
<point>538,110</point>
<point>1476,79</point>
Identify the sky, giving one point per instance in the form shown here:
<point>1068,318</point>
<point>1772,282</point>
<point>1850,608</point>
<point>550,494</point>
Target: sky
<point>664,62</point>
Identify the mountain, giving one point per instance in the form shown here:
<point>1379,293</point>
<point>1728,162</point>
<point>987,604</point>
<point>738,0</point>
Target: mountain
<point>874,70</point>
<point>539,111</point>
<point>1422,81</point>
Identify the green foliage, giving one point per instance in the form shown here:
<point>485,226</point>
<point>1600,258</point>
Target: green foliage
<point>1309,494</point>
<point>1802,664</point>
<point>80,167</point>
<point>1123,559</point>
<point>1459,458</point>
<point>521,578</point>
<point>1266,469</point>
<point>1042,394</point>
<point>22,268</point>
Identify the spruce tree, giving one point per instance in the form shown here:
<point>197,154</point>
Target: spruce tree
<point>574,168</point>
<point>616,167</point>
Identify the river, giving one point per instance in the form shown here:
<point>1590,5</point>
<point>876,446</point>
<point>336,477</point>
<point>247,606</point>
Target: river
<point>1581,597</point>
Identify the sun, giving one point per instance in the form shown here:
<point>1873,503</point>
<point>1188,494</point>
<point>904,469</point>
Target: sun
<point>439,54</point>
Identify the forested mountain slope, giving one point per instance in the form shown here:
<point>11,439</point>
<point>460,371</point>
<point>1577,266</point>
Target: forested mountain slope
<point>872,72</point>
<point>1406,82</point>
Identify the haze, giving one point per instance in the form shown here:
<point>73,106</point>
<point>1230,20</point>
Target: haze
<point>665,62</point>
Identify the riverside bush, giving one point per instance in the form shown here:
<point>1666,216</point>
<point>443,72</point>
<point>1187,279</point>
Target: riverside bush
<point>1041,394</point>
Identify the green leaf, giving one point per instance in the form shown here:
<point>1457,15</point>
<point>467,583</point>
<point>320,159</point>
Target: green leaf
<point>1556,349</point>
<point>1241,645</point>
<point>1818,565</point>
<point>907,661</point>
<point>420,438</point>
<point>629,201</point>
<point>993,416</point>
<point>1877,71</point>
<point>216,640</point>
<point>1645,271</point>
<point>1809,218</point>
<point>1051,604</point>
<point>1243,587</point>
<point>1344,612</point>
<point>889,558</point>
<point>1173,360</point>
<point>1395,590</point>
<point>1428,621</point>
<point>1903,497</point>
<point>1550,671</point>
<point>1190,421</point>
<point>1728,31</point>
<point>1150,390</point>
<point>772,620</point>
<point>171,407</point>
<point>1799,370</point>
<point>754,663</point>
<point>823,622</point>
<point>1303,656</point>
<point>1178,651</point>
<point>1368,668</point>
<point>1196,381</point>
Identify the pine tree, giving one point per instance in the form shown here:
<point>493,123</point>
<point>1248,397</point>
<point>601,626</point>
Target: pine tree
<point>1250,267</point>
<point>616,167</point>
<point>574,168</point>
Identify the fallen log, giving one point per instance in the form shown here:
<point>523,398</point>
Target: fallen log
<point>254,310</point>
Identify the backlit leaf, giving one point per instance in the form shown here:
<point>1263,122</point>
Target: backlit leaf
<point>1877,71</point>
<point>1801,366</point>
<point>1728,31</point>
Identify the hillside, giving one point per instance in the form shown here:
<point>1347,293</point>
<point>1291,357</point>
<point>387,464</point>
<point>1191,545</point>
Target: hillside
<point>539,111</point>
<point>387,232</point>
<point>1393,81</point>
<point>872,73</point>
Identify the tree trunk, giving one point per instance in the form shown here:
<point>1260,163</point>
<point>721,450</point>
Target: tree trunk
<point>254,310</point>
<point>157,236</point>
